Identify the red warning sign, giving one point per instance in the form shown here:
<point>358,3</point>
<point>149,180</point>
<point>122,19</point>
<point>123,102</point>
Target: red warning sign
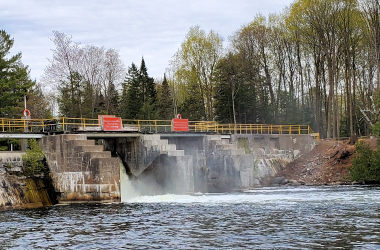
<point>100,118</point>
<point>180,124</point>
<point>112,124</point>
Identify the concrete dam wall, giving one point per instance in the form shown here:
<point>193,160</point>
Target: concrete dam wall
<point>81,170</point>
<point>115,168</point>
<point>214,163</point>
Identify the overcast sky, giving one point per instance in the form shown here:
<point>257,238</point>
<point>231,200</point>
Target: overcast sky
<point>150,28</point>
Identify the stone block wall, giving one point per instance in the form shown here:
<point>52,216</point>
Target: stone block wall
<point>80,170</point>
<point>222,163</point>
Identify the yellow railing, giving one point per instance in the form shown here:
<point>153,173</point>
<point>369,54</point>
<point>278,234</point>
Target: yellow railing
<point>146,126</point>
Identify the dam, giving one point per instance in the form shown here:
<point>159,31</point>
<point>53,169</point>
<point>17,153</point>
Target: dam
<point>87,164</point>
<point>84,168</point>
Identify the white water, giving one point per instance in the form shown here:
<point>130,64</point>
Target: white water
<point>266,196</point>
<point>342,217</point>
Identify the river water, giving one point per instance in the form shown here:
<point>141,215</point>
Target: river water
<point>294,217</point>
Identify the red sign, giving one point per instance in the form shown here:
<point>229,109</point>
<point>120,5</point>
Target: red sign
<point>180,124</point>
<point>112,124</point>
<point>100,118</point>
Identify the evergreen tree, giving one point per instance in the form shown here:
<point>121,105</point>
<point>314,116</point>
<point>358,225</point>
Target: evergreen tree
<point>38,104</point>
<point>113,101</point>
<point>193,106</point>
<point>88,105</point>
<point>71,96</point>
<point>223,110</point>
<point>131,101</point>
<point>100,105</point>
<point>122,107</point>
<point>165,102</point>
<point>14,79</point>
<point>148,93</point>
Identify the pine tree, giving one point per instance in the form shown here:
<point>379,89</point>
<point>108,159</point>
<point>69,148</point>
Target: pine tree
<point>88,102</point>
<point>193,106</point>
<point>71,94</point>
<point>165,102</point>
<point>131,101</point>
<point>14,79</point>
<point>38,104</point>
<point>148,93</point>
<point>113,101</point>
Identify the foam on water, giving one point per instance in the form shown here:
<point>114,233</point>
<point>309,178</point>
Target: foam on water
<point>262,195</point>
<point>264,218</point>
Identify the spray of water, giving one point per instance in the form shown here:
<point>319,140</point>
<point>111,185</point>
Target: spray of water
<point>132,187</point>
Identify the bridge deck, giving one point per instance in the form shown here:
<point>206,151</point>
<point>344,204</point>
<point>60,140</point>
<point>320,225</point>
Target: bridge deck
<point>132,128</point>
<point>21,136</point>
<point>98,135</point>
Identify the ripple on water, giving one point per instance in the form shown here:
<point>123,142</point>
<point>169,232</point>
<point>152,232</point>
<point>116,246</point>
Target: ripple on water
<point>302,217</point>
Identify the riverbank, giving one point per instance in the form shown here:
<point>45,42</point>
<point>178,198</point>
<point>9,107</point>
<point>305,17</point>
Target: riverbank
<point>328,163</point>
<point>18,190</point>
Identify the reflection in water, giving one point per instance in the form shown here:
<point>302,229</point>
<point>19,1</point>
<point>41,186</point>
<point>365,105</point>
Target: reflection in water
<point>305,217</point>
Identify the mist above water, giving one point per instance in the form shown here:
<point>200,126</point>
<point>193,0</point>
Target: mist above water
<point>132,187</point>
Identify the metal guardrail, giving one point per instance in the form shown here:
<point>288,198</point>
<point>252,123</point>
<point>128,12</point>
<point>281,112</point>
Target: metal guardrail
<point>146,126</point>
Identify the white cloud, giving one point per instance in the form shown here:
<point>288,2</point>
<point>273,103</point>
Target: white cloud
<point>150,28</point>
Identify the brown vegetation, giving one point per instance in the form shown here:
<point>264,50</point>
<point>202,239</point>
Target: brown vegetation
<point>328,163</point>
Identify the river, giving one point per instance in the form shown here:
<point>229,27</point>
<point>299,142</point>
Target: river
<point>290,217</point>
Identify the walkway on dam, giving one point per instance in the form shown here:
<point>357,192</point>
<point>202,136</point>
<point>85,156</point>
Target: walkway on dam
<point>36,128</point>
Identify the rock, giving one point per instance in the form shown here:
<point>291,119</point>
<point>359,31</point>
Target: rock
<point>337,183</point>
<point>293,183</point>
<point>279,181</point>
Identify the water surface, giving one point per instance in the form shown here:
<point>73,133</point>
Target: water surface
<point>294,217</point>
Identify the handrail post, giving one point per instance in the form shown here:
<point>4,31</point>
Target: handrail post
<point>155,126</point>
<point>261,128</point>
<point>63,124</point>
<point>2,124</point>
<point>84,124</point>
<point>290,129</point>
<point>308,129</point>
<point>299,129</point>
<point>240,128</point>
<point>138,125</point>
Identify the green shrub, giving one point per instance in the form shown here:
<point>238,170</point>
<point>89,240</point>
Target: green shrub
<point>34,160</point>
<point>366,164</point>
<point>376,129</point>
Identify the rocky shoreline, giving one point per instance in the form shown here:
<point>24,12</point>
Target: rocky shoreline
<point>327,164</point>
<point>19,191</point>
<point>282,181</point>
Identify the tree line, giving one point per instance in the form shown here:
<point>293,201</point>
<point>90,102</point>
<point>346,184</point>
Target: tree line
<point>316,63</point>
<point>91,80</point>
